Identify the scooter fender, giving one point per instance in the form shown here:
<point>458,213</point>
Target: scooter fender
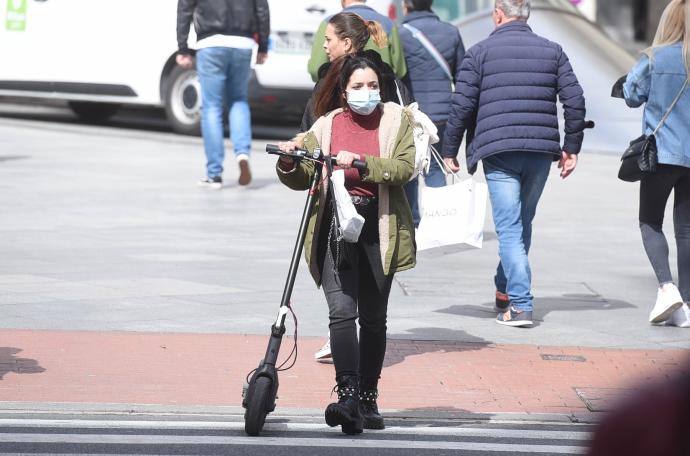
<point>264,370</point>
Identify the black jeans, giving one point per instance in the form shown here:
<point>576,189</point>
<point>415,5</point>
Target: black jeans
<point>655,190</point>
<point>359,290</point>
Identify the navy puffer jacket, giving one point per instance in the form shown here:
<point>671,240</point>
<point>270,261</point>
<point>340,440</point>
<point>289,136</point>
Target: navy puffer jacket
<point>426,80</point>
<point>506,97</point>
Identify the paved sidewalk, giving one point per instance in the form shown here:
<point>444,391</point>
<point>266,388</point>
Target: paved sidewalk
<point>420,378</point>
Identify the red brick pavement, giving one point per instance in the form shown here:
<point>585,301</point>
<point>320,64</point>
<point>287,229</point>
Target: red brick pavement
<point>209,370</point>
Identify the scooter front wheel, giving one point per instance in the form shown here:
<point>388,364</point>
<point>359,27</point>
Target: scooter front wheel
<point>255,415</point>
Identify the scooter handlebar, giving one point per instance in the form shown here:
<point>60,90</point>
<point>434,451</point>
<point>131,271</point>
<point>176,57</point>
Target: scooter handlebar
<point>300,154</point>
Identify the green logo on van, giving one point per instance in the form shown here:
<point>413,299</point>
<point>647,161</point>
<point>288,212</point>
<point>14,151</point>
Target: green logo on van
<point>16,15</point>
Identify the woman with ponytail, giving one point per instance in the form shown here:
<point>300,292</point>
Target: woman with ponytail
<point>348,33</point>
<point>659,80</point>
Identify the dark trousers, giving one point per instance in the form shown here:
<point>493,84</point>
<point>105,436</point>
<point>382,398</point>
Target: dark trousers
<point>359,290</point>
<point>655,190</point>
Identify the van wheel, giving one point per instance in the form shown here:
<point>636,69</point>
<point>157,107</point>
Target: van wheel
<point>93,112</point>
<point>182,98</point>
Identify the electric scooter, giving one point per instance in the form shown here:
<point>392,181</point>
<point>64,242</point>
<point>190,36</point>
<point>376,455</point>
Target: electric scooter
<point>259,395</point>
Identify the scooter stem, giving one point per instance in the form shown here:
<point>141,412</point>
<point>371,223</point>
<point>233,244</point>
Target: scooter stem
<point>278,328</point>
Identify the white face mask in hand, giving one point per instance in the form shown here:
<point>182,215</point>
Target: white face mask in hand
<point>363,101</point>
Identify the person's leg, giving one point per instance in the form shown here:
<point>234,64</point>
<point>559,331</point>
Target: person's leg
<point>681,224</point>
<point>239,113</point>
<point>503,176</point>
<point>436,177</point>
<point>534,177</point>
<point>211,64</point>
<point>535,174</point>
<point>340,288</point>
<point>655,189</point>
<point>412,193</point>
<point>374,289</point>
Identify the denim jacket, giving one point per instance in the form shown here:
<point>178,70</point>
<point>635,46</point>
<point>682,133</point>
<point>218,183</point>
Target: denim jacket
<point>657,84</point>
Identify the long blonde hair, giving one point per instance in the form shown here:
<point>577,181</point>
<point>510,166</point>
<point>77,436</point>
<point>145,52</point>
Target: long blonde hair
<point>674,27</point>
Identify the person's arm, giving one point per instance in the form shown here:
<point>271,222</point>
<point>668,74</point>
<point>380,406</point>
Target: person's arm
<point>572,98</point>
<point>185,11</point>
<point>297,175</point>
<point>459,55</point>
<point>397,53</point>
<point>398,169</point>
<point>318,54</point>
<point>263,21</point>
<point>464,104</point>
<point>638,83</point>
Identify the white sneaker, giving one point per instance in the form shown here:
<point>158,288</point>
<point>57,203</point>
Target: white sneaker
<point>668,300</point>
<point>324,354</point>
<point>680,317</point>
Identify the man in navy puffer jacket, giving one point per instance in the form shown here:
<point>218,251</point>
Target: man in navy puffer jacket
<point>505,99</point>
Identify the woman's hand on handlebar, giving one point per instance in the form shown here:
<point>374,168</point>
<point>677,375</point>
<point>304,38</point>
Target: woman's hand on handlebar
<point>345,158</point>
<point>287,147</point>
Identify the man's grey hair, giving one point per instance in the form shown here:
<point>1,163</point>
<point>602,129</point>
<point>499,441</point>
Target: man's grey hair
<point>514,8</point>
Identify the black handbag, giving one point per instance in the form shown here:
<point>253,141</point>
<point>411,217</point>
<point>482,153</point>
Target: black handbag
<point>641,155</point>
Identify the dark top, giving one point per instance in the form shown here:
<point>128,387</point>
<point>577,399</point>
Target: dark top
<point>223,17</point>
<point>426,80</point>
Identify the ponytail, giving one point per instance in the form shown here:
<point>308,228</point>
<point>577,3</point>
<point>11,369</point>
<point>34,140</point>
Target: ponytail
<point>352,26</point>
<point>377,33</point>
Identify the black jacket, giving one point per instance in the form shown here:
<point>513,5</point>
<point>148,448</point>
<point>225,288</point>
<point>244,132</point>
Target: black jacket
<point>390,83</point>
<point>223,17</point>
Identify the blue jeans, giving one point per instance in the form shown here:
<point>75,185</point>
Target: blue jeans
<point>436,177</point>
<point>224,78</point>
<point>516,181</point>
<point>412,193</point>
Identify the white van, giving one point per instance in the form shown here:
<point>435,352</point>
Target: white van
<point>99,55</point>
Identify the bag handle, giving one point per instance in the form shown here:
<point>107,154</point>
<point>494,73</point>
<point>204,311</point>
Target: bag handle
<point>670,108</point>
<point>444,167</point>
<point>431,49</point>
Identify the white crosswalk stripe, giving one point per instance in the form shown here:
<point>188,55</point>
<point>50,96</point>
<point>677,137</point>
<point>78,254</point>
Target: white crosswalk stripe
<point>487,438</point>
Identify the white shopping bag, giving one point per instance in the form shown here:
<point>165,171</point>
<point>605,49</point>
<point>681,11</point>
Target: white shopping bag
<point>452,217</point>
<point>350,221</point>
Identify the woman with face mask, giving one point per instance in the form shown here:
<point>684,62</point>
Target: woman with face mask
<point>348,34</point>
<point>357,277</point>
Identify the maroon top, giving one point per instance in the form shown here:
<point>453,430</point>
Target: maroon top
<point>360,135</point>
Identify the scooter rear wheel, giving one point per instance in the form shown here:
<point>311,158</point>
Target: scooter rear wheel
<point>255,415</point>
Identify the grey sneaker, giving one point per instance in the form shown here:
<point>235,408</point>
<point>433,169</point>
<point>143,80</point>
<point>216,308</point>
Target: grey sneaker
<point>215,182</point>
<point>512,317</point>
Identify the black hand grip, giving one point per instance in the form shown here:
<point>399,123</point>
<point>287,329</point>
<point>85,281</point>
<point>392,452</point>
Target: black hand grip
<point>589,124</point>
<point>273,149</point>
<point>358,164</point>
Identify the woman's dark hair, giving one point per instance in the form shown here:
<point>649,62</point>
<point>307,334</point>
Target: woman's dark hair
<point>352,26</point>
<point>330,94</point>
<point>418,5</point>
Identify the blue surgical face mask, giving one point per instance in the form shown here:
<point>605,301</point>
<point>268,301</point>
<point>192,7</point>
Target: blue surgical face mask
<point>363,101</point>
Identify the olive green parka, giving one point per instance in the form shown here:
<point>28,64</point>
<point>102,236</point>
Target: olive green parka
<point>391,170</point>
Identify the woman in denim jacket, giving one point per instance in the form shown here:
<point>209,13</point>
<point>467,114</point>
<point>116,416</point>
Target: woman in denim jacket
<point>656,81</point>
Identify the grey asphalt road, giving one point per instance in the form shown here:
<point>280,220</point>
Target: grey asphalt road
<point>104,228</point>
<point>208,434</point>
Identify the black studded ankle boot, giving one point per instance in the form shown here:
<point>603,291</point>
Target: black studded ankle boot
<point>369,409</point>
<point>345,413</point>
